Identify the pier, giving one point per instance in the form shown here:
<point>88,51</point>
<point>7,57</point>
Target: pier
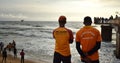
<point>116,24</point>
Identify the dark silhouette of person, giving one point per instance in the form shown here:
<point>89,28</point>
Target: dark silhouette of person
<point>1,46</point>
<point>4,55</point>
<point>14,44</point>
<point>22,56</point>
<point>15,52</point>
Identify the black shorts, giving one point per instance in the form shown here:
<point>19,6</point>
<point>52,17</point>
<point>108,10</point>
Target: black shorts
<point>58,58</point>
<point>96,61</point>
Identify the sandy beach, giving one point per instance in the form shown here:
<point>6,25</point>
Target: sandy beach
<point>11,59</point>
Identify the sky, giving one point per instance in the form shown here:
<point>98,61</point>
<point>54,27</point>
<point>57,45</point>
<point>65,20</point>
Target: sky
<point>50,10</point>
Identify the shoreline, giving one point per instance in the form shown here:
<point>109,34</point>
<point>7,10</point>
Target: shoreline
<point>11,59</point>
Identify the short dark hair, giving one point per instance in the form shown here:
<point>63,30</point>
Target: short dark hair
<point>87,20</point>
<point>62,19</point>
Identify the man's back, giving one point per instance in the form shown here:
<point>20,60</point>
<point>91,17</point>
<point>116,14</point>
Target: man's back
<point>88,37</point>
<point>62,37</point>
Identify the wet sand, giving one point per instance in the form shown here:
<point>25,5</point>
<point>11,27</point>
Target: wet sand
<point>11,59</point>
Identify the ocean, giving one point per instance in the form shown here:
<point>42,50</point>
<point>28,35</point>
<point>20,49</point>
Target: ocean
<point>35,37</point>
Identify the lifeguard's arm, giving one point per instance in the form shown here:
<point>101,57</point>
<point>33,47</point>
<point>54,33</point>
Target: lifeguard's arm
<point>53,33</point>
<point>71,41</point>
<point>93,50</point>
<point>71,36</point>
<point>79,50</point>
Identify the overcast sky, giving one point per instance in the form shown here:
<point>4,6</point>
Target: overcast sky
<point>50,10</point>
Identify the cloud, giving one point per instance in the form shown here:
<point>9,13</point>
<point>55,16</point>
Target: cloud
<point>110,3</point>
<point>12,16</point>
<point>6,14</point>
<point>51,9</point>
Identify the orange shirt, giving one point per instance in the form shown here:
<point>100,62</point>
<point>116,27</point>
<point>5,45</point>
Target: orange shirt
<point>62,36</point>
<point>88,36</point>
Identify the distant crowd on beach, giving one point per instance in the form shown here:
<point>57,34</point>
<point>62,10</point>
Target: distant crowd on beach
<point>98,20</point>
<point>11,47</point>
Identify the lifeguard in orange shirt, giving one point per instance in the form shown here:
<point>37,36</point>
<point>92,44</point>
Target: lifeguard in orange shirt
<point>63,37</point>
<point>89,39</point>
